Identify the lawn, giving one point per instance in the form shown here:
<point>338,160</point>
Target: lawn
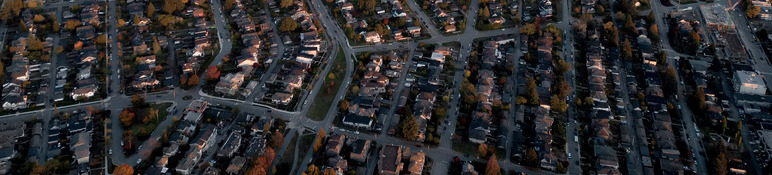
<point>327,94</point>
<point>287,158</point>
<point>143,131</point>
<point>464,147</point>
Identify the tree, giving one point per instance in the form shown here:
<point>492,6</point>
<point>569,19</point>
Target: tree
<point>71,24</point>
<point>319,139</point>
<point>123,170</point>
<point>752,11</point>
<point>34,43</point>
<point>528,29</point>
<point>719,163</point>
<point>256,171</point>
<point>482,149</point>
<point>156,47</point>
<point>440,113</point>
<point>484,13</point>
<point>288,24</point>
<point>126,117</point>
<point>521,100</point>
<point>55,23</point>
<point>286,3</point>
<point>627,49</point>
<point>228,4</point>
<point>329,171</point>
<point>343,105</point>
<point>170,6</point>
<point>137,101</point>
<point>277,139</point>
<point>212,73</point>
<point>312,170</point>
<point>267,158</point>
<point>11,9</point>
<point>561,67</point>
<point>409,127</point>
<point>654,31</point>
<point>558,104</point>
<point>530,89</point>
<point>492,168</point>
<point>193,80</point>
<point>531,156</point>
<point>366,7</point>
<point>2,72</point>
<point>150,10</point>
<point>101,39</point>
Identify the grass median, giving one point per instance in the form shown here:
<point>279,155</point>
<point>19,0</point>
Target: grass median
<point>329,89</point>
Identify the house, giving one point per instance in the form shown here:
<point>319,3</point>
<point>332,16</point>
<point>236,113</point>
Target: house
<point>416,165</point>
<point>390,160</point>
<point>80,147</point>
<point>479,128</point>
<point>359,150</point>
<point>230,83</point>
<point>85,33</point>
<point>747,82</point>
<point>372,37</point>
<point>413,30</point>
<point>337,163</point>
<point>282,98</point>
<point>236,165</point>
<point>206,138</point>
<point>357,121</point>
<point>84,92</point>
<point>347,6</point>
<point>439,57</point>
<point>334,145</point>
<point>450,28</point>
<point>231,146</point>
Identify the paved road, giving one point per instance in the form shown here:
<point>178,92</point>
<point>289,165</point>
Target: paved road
<point>689,127</point>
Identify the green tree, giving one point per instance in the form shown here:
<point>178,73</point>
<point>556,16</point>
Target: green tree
<point>288,24</point>
<point>409,127</point>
